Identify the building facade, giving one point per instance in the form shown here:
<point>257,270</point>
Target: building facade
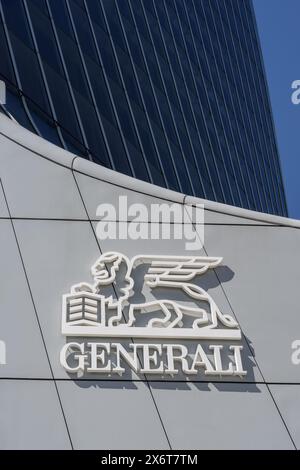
<point>142,340</point>
<point>48,244</point>
<point>172,93</point>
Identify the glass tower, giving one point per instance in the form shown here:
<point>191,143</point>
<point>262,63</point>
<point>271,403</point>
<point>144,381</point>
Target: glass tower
<point>169,91</point>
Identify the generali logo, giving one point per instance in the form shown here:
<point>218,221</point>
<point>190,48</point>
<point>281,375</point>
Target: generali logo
<point>152,301</point>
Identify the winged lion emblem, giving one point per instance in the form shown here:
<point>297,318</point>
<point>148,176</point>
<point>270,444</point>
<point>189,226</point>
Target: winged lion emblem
<point>112,305</point>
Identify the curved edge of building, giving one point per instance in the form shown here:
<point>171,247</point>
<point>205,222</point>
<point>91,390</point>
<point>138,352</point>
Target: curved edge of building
<point>49,151</point>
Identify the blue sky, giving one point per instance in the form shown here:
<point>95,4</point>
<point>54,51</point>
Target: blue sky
<point>279,29</point>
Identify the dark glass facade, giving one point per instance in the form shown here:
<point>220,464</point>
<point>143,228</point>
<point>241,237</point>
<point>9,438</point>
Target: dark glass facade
<point>169,91</point>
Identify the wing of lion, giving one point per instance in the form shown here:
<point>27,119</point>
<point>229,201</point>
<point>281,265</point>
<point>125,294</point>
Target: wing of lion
<point>177,272</point>
<point>163,269</point>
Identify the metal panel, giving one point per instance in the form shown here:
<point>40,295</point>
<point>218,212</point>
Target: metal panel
<point>220,416</point>
<point>111,415</point>
<point>19,329</point>
<point>36,187</point>
<point>287,398</point>
<point>31,417</point>
<point>263,291</point>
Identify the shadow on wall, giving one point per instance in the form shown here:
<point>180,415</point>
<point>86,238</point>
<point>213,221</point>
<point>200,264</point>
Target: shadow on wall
<point>167,385</point>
